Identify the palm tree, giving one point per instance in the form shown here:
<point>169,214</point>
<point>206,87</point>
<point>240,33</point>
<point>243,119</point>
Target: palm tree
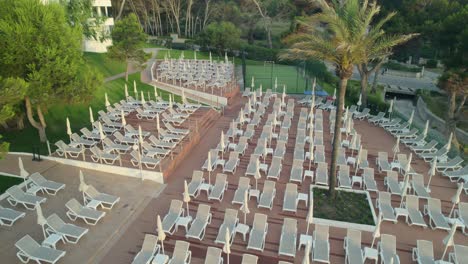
<point>342,33</point>
<point>455,83</point>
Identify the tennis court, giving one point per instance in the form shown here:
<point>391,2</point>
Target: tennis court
<point>287,75</point>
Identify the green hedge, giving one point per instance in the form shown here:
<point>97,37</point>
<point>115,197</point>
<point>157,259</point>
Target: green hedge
<point>254,52</point>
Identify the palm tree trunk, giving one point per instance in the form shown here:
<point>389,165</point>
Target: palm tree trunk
<point>337,134</point>
<point>364,84</point>
<point>376,77</point>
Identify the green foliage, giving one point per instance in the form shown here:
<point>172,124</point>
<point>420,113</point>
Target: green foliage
<point>81,14</point>
<point>12,92</point>
<point>431,63</point>
<point>255,52</point>
<point>128,40</point>
<point>40,47</point>
<point>400,67</point>
<point>6,182</point>
<point>220,36</point>
<point>346,207</point>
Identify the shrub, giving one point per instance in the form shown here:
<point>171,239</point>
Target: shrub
<point>259,53</point>
<point>431,63</point>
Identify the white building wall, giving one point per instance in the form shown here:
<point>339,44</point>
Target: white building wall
<point>92,45</point>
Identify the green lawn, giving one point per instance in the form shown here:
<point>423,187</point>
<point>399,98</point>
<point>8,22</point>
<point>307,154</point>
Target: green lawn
<point>104,65</point>
<point>347,207</point>
<point>7,181</point>
<point>78,115</point>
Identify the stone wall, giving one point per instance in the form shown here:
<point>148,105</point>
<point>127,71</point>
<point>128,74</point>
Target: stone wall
<point>435,121</point>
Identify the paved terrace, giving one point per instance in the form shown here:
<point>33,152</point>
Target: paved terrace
<point>373,138</point>
<point>134,196</point>
<point>197,123</point>
<point>225,91</point>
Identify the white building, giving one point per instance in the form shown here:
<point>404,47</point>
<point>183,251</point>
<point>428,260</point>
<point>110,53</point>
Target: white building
<point>102,8</point>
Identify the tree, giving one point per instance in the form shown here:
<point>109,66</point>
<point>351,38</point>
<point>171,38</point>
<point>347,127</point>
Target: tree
<point>455,83</point>
<point>337,34</point>
<point>128,39</point>
<point>378,46</point>
<point>12,92</point>
<point>39,47</point>
<point>221,36</point>
<point>82,14</point>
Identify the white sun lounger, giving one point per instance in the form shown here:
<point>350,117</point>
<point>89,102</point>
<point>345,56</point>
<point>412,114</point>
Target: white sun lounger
<point>172,119</point>
<point>319,154</point>
<point>290,198</point>
<point>230,222</point>
<point>258,232</point>
<point>105,200</point>
<point>148,250</point>
<point>344,181</point>
<point>50,187</point>
<point>29,249</point>
<point>71,233</point>
<point>100,156</point>
<point>387,249</point>
<point>321,177</point>
<point>249,259</point>
<point>391,181</point>
<point>451,165</point>
<point>115,147</point>
<point>384,204</point>
<point>177,131</point>
<point>161,144</point>
<point>214,160</point>
<point>275,169</point>
<point>154,151</point>
<point>89,215</point>
<point>241,145</point>
<point>369,181</point>
<point>146,114</point>
<point>181,254</point>
<point>9,216</point>
<point>169,137</point>
<point>382,161</point>
<point>232,163</point>
<point>459,255</point>
<point>170,219</point>
<point>287,246</point>
<point>462,214</point>
<point>352,246</point>
<point>252,167</point>
<point>434,210</point>
<point>297,171</point>
<point>321,245</point>
<point>18,196</point>
<point>417,182</point>
<point>268,195</point>
<point>64,149</point>
<point>202,219</point>
<point>149,162</point>
<point>79,142</point>
<point>427,148</point>
<point>455,176</point>
<point>220,186</point>
<point>242,187</point>
<point>195,183</point>
<point>423,253</point>
<point>90,135</point>
<point>412,206</point>
<point>379,118</point>
<point>119,138</point>
<point>214,256</point>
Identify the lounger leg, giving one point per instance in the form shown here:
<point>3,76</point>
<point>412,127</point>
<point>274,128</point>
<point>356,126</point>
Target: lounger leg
<point>23,258</point>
